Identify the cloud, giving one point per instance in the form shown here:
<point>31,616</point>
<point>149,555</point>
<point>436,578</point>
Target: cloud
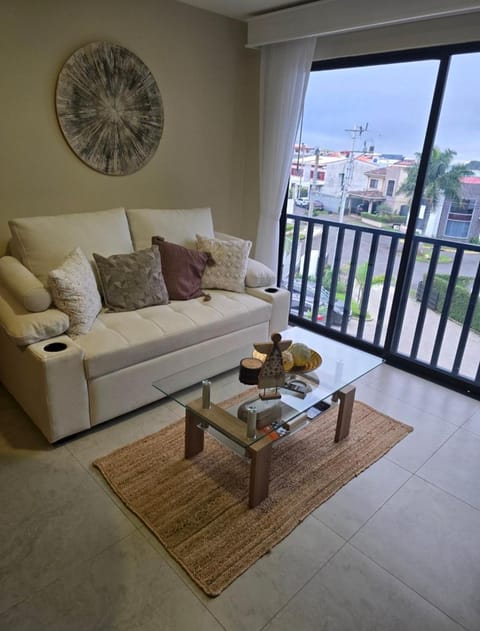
<point>395,101</point>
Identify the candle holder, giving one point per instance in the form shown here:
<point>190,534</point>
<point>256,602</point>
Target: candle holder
<point>206,394</point>
<point>251,421</point>
<point>249,371</point>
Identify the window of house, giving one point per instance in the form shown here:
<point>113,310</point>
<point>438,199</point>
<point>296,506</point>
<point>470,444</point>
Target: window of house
<point>462,209</point>
<point>390,188</point>
<point>373,183</point>
<point>459,218</point>
<point>457,229</point>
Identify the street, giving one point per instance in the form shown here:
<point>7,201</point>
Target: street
<point>468,268</point>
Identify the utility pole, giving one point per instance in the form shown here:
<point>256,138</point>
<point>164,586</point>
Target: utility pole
<point>349,167</point>
<point>314,184</point>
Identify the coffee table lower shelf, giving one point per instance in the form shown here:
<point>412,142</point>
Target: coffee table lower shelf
<point>260,451</point>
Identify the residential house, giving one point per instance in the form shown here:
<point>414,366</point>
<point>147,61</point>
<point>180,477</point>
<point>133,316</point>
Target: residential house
<point>382,187</point>
<point>460,219</point>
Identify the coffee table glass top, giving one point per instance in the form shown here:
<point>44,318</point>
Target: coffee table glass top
<point>341,365</point>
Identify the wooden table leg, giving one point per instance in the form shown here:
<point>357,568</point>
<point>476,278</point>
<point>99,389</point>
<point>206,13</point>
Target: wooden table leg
<point>261,457</point>
<point>346,396</point>
<point>193,434</point>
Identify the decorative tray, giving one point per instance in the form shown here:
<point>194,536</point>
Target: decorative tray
<point>314,362</point>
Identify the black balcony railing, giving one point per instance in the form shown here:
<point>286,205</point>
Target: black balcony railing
<point>343,279</point>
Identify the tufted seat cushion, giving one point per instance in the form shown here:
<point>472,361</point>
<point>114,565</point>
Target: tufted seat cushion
<point>118,340</point>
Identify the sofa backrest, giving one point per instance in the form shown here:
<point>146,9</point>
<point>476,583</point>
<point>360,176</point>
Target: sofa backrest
<point>178,226</point>
<point>42,243</point>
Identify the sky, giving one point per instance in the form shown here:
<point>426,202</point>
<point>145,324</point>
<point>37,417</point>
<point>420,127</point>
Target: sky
<point>395,100</point>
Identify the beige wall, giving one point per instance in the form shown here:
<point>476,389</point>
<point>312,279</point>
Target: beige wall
<point>208,80</point>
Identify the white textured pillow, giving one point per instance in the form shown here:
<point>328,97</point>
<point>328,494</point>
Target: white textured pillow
<point>259,275</point>
<point>74,291</point>
<point>231,259</point>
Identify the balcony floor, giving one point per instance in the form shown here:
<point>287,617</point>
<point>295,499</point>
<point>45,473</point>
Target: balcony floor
<point>396,548</point>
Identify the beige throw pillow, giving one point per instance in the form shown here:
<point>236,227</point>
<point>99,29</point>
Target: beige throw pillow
<point>231,259</point>
<point>132,281</point>
<point>74,291</point>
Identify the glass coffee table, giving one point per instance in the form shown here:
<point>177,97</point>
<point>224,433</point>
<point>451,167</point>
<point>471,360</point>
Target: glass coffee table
<point>278,419</point>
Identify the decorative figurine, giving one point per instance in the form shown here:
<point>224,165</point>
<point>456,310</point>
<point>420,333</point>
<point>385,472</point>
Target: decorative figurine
<point>272,374</point>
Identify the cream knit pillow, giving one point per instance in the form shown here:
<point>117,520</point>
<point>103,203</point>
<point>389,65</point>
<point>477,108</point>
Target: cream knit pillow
<point>231,259</point>
<point>74,291</point>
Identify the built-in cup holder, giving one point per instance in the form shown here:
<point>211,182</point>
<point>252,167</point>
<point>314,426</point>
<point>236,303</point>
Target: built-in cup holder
<point>55,347</point>
<point>271,290</point>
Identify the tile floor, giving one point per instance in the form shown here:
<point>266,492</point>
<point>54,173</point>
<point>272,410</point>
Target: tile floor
<point>398,548</point>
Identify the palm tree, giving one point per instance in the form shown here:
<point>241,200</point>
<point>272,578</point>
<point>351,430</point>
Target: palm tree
<point>442,177</point>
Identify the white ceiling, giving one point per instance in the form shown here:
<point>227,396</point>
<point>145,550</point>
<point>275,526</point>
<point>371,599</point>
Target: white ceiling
<point>243,9</point>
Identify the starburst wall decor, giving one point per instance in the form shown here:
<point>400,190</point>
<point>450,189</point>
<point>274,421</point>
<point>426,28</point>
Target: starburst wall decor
<point>109,108</point>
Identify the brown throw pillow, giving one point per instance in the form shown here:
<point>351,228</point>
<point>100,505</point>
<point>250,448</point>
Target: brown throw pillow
<point>182,269</point>
<point>132,281</point>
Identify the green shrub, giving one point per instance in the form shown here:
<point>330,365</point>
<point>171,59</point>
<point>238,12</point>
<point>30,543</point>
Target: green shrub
<point>460,299</point>
<point>385,218</point>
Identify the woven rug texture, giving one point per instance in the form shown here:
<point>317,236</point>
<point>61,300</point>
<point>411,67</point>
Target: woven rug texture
<point>198,508</point>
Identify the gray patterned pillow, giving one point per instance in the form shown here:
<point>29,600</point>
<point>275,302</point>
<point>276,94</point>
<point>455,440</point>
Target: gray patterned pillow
<point>132,281</point>
<point>74,291</point>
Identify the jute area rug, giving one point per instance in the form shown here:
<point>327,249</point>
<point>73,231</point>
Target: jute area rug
<point>198,508</point>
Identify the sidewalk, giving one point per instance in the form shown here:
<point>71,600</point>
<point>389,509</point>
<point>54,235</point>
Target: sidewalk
<point>469,365</point>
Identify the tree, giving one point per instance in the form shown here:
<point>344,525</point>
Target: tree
<point>442,177</point>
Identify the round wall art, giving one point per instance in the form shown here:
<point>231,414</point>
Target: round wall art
<point>109,108</point>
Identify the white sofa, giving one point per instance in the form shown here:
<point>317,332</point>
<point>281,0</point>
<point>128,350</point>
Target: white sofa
<point>68,385</point>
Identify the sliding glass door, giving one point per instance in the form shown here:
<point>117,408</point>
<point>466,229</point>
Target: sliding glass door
<point>382,221</point>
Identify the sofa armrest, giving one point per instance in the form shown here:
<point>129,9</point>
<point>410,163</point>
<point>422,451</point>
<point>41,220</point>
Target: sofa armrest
<point>23,285</point>
<point>48,380</point>
<point>280,301</point>
<point>25,327</point>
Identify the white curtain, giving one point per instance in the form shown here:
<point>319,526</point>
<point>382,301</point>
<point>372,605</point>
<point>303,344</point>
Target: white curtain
<point>284,73</point>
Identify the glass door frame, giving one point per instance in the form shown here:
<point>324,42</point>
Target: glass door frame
<point>388,351</point>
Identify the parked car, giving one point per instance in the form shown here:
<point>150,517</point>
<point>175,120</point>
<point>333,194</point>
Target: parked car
<point>302,202</point>
<point>338,307</point>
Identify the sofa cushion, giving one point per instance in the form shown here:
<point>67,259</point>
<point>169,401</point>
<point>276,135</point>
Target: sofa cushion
<point>182,269</point>
<point>231,259</point>
<point>43,243</point>
<point>75,292</point>
<point>177,226</point>
<point>118,340</point>
<point>132,281</point>
<point>23,285</point>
